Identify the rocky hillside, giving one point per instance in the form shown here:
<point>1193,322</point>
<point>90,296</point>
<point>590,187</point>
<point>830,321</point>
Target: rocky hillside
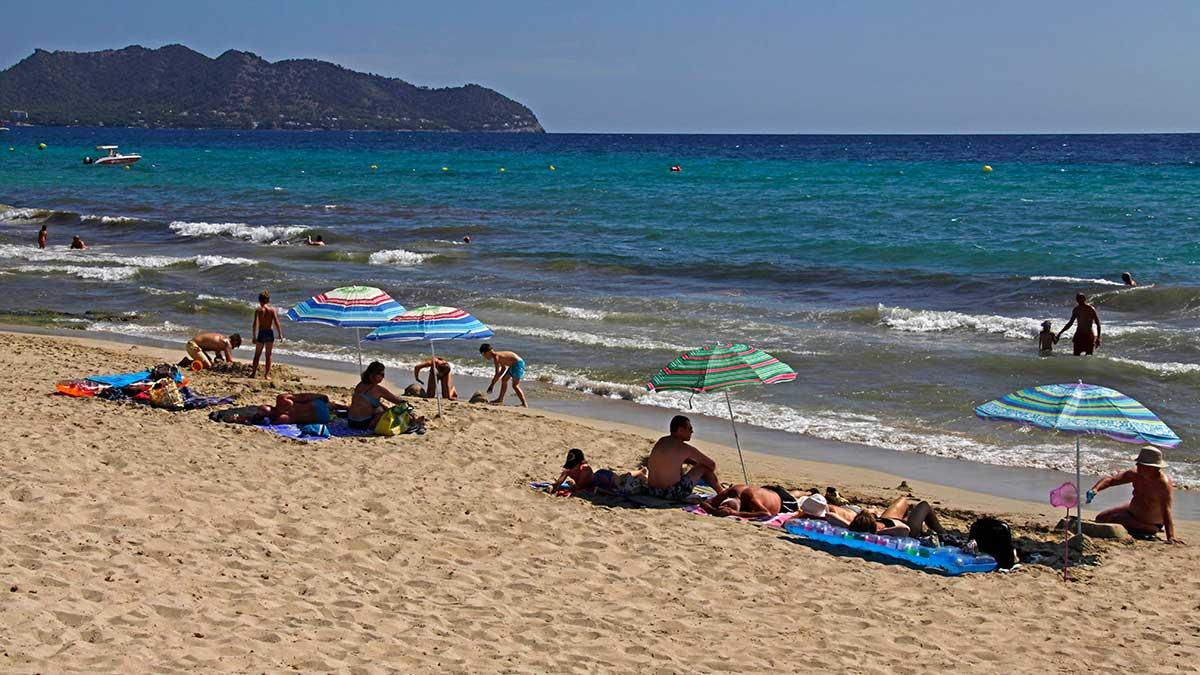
<point>174,86</point>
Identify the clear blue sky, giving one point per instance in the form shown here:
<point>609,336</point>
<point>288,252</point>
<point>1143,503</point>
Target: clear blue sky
<point>697,66</point>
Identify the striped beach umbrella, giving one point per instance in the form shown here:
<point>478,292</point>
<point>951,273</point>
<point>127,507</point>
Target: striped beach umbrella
<point>354,307</point>
<point>722,366</point>
<point>429,324</point>
<point>1081,409</point>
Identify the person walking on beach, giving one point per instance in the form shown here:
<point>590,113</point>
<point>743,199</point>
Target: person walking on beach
<point>668,480</point>
<point>509,366</point>
<point>213,342</point>
<point>265,319</point>
<point>1084,342</point>
<point>42,237</point>
<point>1149,511</point>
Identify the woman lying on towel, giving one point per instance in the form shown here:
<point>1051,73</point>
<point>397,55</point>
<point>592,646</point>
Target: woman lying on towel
<point>899,519</point>
<point>300,409</point>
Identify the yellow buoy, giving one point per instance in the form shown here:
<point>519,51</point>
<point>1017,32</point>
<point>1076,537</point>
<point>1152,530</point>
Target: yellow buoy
<point>987,168</point>
<point>374,166</point>
<point>552,167</point>
<point>126,167</point>
<point>502,169</point>
<point>41,146</point>
<point>445,168</point>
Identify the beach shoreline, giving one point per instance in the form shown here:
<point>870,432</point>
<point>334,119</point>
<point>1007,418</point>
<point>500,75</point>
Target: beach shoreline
<point>142,540</point>
<point>974,485</point>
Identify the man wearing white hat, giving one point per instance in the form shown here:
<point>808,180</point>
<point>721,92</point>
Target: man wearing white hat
<point>1149,512</point>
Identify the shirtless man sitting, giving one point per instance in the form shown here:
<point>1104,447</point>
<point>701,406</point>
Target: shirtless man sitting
<point>1149,512</point>
<point>213,342</point>
<point>668,480</point>
<point>748,501</point>
<point>1084,341</point>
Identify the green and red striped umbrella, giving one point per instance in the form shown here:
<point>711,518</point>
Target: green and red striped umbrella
<point>718,366</point>
<point>722,366</point>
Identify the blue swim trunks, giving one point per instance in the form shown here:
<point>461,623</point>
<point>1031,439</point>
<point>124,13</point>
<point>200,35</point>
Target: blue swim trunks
<point>676,493</point>
<point>517,370</point>
<point>322,410</point>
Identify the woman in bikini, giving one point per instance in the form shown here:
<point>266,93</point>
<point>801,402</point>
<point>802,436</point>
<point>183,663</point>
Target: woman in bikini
<point>899,519</point>
<point>366,404</point>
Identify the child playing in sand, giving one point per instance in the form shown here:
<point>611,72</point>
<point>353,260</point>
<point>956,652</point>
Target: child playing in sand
<point>1046,339</point>
<point>575,468</point>
<point>509,366</point>
<point>265,318</point>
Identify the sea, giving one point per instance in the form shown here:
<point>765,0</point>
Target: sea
<point>902,281</point>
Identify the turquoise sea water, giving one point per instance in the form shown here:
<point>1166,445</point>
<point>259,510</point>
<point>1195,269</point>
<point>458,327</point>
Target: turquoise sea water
<point>903,283</point>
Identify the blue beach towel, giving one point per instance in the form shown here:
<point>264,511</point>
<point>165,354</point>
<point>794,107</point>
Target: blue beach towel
<point>338,428</point>
<point>126,379</point>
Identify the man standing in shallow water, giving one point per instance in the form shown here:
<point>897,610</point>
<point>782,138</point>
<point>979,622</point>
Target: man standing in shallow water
<point>1149,512</point>
<point>1084,342</point>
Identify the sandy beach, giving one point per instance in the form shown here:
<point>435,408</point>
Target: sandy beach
<point>139,540</point>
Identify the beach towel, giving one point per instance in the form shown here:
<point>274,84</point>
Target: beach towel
<point>776,521</point>
<point>126,379</point>
<point>338,428</point>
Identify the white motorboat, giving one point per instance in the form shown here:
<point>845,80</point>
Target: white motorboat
<point>113,157</point>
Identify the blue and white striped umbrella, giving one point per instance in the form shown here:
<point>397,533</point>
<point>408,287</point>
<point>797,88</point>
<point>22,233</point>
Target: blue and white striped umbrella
<point>1081,409</point>
<point>431,323</point>
<point>354,307</point>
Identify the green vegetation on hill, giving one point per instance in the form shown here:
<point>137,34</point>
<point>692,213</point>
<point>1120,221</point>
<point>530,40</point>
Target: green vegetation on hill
<point>174,86</point>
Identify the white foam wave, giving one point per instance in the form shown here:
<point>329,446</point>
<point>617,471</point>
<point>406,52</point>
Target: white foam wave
<point>564,310</point>
<point>91,273</point>
<point>451,243</point>
<point>99,255</point>
<point>25,214</point>
<point>1017,328</point>
<point>259,234</point>
<point>164,330</point>
<point>1167,369</point>
<point>110,220</point>
<point>1077,280</point>
<point>592,339</point>
<point>397,256</point>
<point>159,291</point>
<point>224,300</point>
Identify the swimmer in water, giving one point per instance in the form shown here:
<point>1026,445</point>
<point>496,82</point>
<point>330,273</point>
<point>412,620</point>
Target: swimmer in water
<point>1128,279</point>
<point>467,239</point>
<point>1046,339</point>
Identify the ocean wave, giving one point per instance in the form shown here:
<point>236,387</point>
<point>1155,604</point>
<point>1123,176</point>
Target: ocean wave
<point>259,234</point>
<point>15,213</point>
<point>592,339</point>
<point>1166,369</point>
<point>90,273</point>
<point>1078,280</point>
<point>559,310</point>
<point>1151,299</point>
<point>163,331</point>
<point>397,256</point>
<point>102,256</point>
<point>1017,328</point>
<point>111,220</point>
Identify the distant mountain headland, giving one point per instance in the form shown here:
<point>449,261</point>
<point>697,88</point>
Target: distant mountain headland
<point>174,86</point>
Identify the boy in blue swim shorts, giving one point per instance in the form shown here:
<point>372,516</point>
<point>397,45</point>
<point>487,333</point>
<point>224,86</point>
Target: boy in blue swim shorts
<point>509,366</point>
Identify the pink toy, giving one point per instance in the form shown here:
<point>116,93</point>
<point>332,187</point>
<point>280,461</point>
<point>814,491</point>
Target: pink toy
<point>1065,496</point>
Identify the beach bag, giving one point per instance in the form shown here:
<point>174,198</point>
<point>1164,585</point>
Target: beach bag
<point>394,420</point>
<point>165,394</point>
<point>994,537</point>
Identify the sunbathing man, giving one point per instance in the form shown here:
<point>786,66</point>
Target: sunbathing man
<point>747,501</point>
<point>300,409</point>
<point>213,342</point>
<point>1149,512</point>
<point>668,480</point>
<point>577,469</point>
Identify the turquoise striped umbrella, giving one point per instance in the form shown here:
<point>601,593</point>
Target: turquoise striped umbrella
<point>354,307</point>
<point>722,366</point>
<point>1081,409</point>
<point>430,323</point>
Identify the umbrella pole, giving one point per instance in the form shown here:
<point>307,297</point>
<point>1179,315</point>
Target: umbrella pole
<point>736,441</point>
<point>433,376</point>
<point>358,343</point>
<point>1078,494</point>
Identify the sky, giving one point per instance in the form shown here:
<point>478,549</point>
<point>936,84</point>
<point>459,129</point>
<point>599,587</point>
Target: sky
<point>695,66</point>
